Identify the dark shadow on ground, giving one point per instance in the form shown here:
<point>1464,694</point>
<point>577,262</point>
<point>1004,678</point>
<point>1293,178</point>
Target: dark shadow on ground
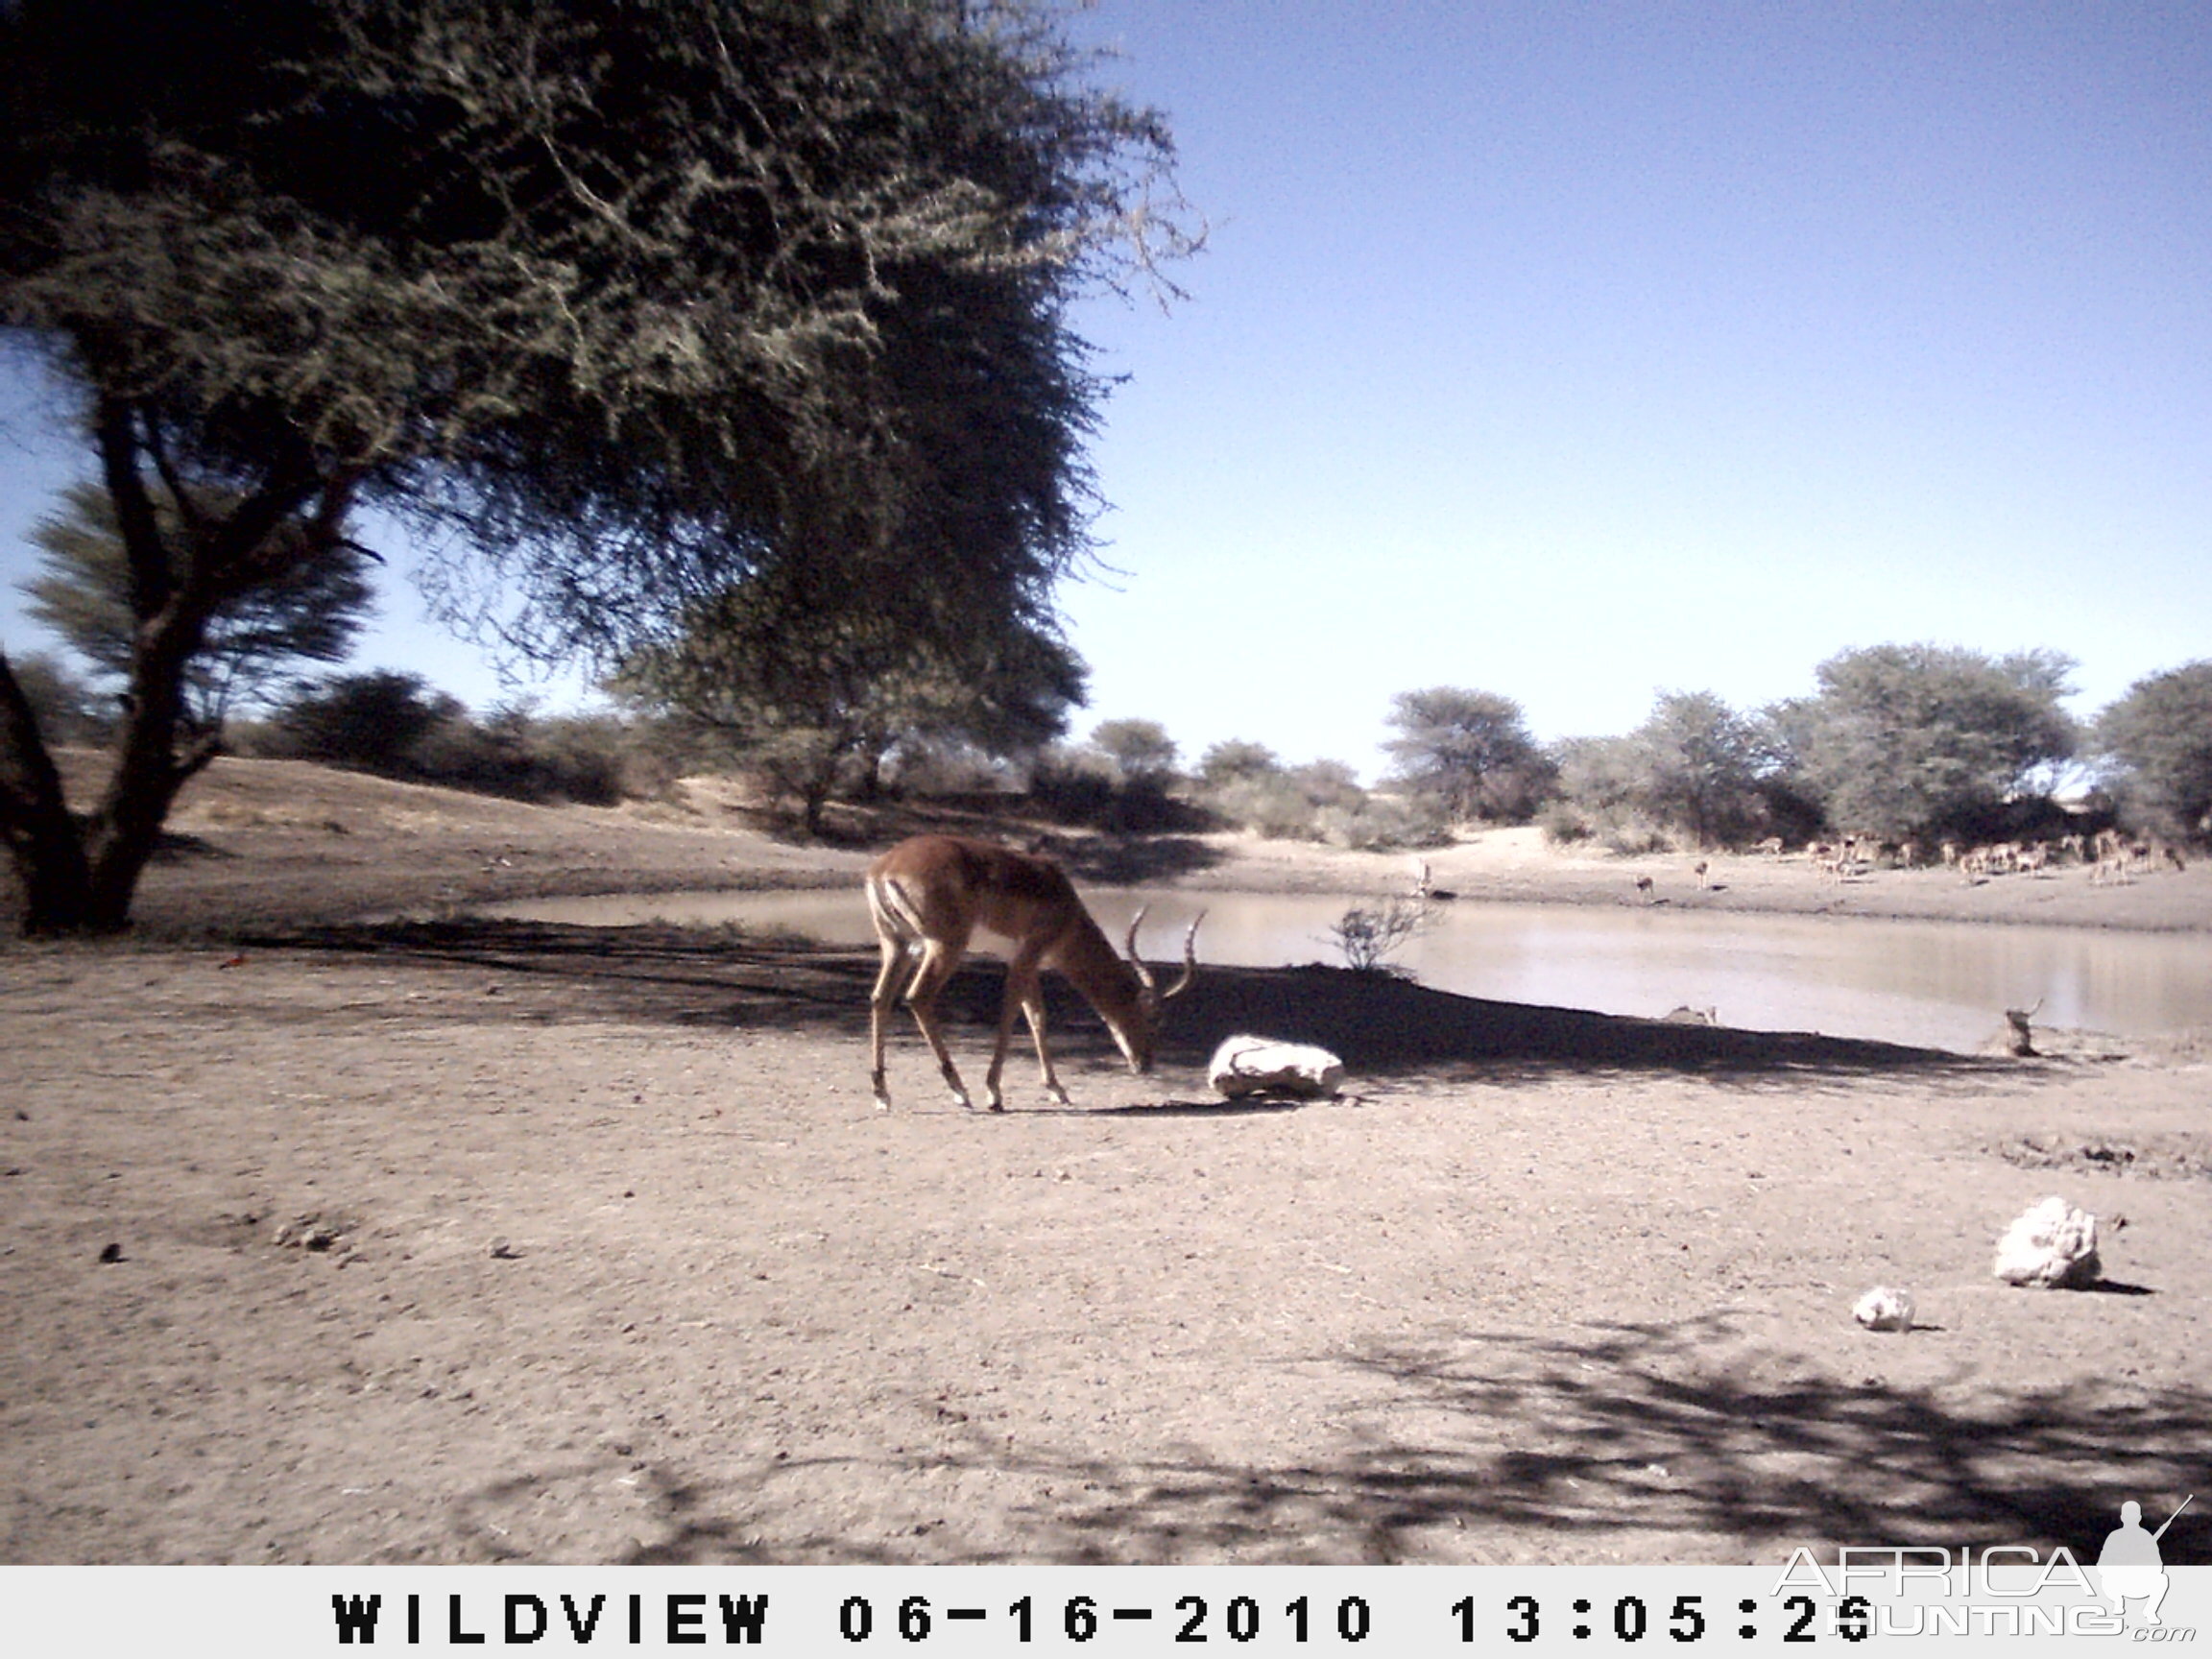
<point>1376,1023</point>
<point>173,847</point>
<point>1247,1107</point>
<point>1654,1442</point>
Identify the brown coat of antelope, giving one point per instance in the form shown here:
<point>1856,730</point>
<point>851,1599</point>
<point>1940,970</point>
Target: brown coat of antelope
<point>929,893</point>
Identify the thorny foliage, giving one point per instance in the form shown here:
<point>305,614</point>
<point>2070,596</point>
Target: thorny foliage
<point>616,306</point>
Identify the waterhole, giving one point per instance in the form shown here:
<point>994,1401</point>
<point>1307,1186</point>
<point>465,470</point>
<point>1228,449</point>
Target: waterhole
<point>1935,984</point>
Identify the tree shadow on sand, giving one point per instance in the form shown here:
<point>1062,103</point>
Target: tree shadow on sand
<point>1646,1442</point>
<point>1378,1024</point>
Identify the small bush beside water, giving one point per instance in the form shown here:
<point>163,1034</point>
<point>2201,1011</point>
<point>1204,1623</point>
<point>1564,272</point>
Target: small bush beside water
<point>1368,934</point>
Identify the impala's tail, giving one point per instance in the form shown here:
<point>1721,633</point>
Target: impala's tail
<point>892,911</point>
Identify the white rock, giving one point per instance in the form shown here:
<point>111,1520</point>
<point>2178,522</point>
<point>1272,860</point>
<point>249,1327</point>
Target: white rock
<point>1263,1066</point>
<point>2050,1246</point>
<point>1883,1309</point>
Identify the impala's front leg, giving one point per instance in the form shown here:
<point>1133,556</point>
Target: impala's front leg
<point>1033,1010</point>
<point>1020,993</point>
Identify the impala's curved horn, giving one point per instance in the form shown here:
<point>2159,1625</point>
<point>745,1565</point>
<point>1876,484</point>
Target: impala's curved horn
<point>1143,973</point>
<point>1189,957</point>
<point>1189,961</point>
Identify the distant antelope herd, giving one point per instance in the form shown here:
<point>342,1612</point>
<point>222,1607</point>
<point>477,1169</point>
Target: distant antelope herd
<point>2108,856</point>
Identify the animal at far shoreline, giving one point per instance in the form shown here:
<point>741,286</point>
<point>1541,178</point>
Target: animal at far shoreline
<point>927,896</point>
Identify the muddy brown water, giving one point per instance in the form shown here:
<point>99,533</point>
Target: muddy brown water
<point>1935,984</point>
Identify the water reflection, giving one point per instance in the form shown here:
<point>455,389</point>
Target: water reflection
<point>1928,983</point>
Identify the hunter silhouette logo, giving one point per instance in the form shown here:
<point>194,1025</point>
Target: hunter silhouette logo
<point>2130,1566</point>
<point>2010,1589</point>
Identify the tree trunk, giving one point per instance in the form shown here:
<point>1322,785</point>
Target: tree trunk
<point>43,841</point>
<point>80,878</point>
<point>813,798</point>
<point>872,770</point>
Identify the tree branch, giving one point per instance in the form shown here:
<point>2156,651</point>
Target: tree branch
<point>152,582</point>
<point>196,755</point>
<point>187,508</point>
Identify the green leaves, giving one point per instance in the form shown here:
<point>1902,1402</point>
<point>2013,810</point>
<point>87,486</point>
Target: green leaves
<point>309,610</point>
<point>2156,748</point>
<point>624,293</point>
<point>624,307</point>
<point>1467,751</point>
<point>1909,741</point>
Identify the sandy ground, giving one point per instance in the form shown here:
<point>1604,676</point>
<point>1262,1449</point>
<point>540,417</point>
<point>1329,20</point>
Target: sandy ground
<point>453,1240</point>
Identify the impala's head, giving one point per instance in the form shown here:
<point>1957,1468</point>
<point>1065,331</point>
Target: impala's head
<point>1140,1034</point>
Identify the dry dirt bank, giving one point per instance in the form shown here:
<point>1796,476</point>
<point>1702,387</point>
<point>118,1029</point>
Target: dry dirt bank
<point>475,1241</point>
<point>260,844</point>
<point>1516,866</point>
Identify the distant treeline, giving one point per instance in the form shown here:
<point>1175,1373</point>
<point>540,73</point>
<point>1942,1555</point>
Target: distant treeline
<point>1918,744</point>
<point>1896,743</point>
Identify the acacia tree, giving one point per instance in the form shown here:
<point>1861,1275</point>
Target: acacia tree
<point>1597,779</point>
<point>2158,747</point>
<point>65,709</point>
<point>1140,750</point>
<point>1696,765</point>
<point>809,684</point>
<point>1916,741</point>
<point>312,611</point>
<point>621,305</point>
<point>1467,753</point>
<point>373,722</point>
<point>1236,760</point>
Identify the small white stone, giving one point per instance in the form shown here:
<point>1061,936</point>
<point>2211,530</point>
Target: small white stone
<point>1883,1309</point>
<point>2052,1246</point>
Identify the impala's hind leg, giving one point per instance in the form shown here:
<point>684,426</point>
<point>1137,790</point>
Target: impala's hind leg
<point>887,984</point>
<point>938,960</point>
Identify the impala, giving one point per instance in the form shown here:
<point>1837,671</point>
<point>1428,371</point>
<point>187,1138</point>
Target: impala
<point>929,893</point>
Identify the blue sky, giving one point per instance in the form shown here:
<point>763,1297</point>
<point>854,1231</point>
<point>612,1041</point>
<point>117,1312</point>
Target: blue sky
<point>1575,352</point>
